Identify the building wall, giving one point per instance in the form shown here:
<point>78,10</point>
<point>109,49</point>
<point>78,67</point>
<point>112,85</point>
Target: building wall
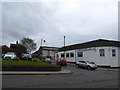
<point>93,55</point>
<point>49,53</point>
<point>45,52</point>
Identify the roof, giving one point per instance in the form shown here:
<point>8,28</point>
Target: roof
<point>4,46</point>
<point>48,48</point>
<point>94,43</point>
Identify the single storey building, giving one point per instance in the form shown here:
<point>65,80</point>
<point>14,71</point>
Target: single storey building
<point>102,52</point>
<point>45,51</point>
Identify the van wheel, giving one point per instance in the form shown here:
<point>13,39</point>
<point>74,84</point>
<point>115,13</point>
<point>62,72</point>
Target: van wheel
<point>77,66</point>
<point>89,68</point>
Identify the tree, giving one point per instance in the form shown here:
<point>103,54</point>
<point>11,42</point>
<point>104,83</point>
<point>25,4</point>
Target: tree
<point>18,49</point>
<point>29,44</point>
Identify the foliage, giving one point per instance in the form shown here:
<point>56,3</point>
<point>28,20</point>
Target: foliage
<point>35,59</point>
<point>18,49</point>
<point>29,44</point>
<point>26,63</point>
<point>17,58</point>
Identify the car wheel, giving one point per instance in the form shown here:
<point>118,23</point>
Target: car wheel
<point>77,66</point>
<point>89,68</point>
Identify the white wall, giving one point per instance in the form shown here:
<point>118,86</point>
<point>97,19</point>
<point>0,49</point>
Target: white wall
<point>94,56</point>
<point>88,55</point>
<point>108,59</point>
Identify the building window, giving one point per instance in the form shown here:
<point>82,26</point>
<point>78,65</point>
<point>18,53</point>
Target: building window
<point>113,52</point>
<point>67,54</point>
<point>71,54</point>
<point>62,54</point>
<point>102,52</point>
<point>80,54</point>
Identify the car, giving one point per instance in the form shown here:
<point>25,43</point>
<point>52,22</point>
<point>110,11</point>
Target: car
<point>86,64</point>
<point>48,60</point>
<point>9,56</point>
<point>62,62</point>
<point>26,56</point>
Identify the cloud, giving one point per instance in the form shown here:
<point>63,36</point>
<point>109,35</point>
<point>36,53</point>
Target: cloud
<point>77,20</point>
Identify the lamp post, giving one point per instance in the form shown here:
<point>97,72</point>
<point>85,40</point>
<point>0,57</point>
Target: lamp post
<point>42,41</point>
<point>41,47</point>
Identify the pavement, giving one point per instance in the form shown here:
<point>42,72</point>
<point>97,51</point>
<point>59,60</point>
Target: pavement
<point>35,72</point>
<point>45,72</point>
<point>108,69</point>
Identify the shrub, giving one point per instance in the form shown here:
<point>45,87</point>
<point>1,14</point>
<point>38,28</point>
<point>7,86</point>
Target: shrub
<point>35,59</point>
<point>17,58</point>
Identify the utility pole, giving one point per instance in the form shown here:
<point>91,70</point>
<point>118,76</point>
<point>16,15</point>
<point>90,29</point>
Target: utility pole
<point>64,47</point>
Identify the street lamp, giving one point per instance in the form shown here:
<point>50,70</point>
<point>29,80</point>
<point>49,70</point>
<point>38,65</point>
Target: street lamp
<point>42,41</point>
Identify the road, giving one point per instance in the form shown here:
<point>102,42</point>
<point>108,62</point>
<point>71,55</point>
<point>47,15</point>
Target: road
<point>80,79</point>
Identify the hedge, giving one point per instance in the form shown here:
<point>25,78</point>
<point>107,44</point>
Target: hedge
<point>19,65</point>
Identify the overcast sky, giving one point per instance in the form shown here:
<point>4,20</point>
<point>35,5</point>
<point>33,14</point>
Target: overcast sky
<point>79,20</point>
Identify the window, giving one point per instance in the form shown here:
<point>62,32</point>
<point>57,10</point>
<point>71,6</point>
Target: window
<point>62,54</point>
<point>113,52</point>
<point>67,54</point>
<point>72,54</point>
<point>80,54</point>
<point>102,52</point>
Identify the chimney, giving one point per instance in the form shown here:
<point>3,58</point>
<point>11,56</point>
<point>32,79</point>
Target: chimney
<point>16,42</point>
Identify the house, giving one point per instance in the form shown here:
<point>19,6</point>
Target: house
<point>45,51</point>
<point>4,49</point>
<point>102,52</point>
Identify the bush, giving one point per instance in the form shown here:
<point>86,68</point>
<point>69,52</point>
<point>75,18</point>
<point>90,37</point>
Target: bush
<point>35,59</point>
<point>17,58</point>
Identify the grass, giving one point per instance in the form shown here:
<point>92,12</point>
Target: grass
<point>26,63</point>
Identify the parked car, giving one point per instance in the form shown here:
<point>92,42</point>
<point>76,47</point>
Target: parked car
<point>9,55</point>
<point>26,56</point>
<point>48,60</point>
<point>86,64</point>
<point>61,62</point>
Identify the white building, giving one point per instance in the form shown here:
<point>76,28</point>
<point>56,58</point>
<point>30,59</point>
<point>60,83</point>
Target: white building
<point>102,52</point>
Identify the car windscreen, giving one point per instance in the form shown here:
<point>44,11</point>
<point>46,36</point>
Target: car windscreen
<point>10,53</point>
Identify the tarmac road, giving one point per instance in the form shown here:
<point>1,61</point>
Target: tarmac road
<point>80,79</point>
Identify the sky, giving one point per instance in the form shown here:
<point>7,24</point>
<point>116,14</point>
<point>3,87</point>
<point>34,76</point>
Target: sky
<point>79,20</point>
